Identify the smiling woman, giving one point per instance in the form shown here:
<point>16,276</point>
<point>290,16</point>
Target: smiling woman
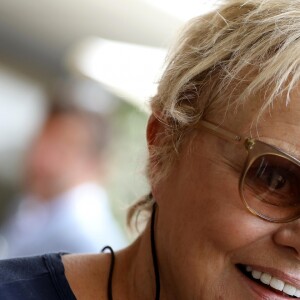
<point>224,172</point>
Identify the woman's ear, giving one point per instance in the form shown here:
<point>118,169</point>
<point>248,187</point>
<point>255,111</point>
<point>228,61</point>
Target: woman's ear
<point>154,128</point>
<point>155,131</point>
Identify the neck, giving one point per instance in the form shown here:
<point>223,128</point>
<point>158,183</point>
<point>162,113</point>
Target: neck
<point>134,274</point>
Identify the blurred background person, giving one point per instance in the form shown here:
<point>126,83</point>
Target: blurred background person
<point>64,207</point>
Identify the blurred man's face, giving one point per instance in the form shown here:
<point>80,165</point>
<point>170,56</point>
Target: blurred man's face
<point>58,158</point>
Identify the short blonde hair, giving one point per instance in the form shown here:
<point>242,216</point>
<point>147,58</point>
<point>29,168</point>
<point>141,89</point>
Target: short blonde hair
<point>220,60</point>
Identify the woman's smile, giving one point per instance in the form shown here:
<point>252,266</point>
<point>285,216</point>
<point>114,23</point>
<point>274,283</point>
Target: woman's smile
<point>270,281</point>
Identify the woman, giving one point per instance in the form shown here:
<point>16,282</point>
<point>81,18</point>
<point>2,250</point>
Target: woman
<point>224,173</point>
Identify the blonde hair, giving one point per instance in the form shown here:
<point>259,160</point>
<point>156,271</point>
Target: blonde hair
<point>219,60</point>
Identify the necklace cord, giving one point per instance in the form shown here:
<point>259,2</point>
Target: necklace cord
<point>111,268</point>
<point>154,260</point>
<point>154,254</point>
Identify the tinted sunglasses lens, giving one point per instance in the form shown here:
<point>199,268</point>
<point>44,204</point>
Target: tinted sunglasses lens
<point>271,188</point>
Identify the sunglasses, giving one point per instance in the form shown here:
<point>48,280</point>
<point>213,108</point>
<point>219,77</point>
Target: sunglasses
<point>269,185</point>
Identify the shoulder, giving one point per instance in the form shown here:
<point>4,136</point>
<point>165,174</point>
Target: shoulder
<point>87,275</point>
<point>37,277</point>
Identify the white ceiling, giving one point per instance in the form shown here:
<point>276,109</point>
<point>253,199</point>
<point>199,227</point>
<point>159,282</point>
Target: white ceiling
<point>41,31</point>
<point>57,22</point>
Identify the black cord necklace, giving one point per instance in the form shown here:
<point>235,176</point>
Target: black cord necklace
<point>154,254</point>
<point>111,270</point>
<point>154,261</point>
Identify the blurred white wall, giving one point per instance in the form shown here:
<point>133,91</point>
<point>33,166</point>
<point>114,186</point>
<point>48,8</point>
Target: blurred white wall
<point>22,109</point>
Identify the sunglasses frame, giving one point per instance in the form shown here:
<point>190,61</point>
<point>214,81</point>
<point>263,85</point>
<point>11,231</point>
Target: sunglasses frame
<point>255,149</point>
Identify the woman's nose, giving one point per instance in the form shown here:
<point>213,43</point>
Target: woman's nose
<point>288,235</point>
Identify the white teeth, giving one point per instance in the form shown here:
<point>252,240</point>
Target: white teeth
<point>289,289</point>
<point>248,269</point>
<point>274,282</point>
<point>277,284</point>
<point>256,274</point>
<point>265,278</point>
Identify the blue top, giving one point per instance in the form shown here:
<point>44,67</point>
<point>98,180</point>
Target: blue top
<point>34,278</point>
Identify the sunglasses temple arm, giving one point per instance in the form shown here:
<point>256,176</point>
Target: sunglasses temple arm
<point>222,133</point>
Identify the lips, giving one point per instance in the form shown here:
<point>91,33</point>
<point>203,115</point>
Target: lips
<point>271,281</point>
